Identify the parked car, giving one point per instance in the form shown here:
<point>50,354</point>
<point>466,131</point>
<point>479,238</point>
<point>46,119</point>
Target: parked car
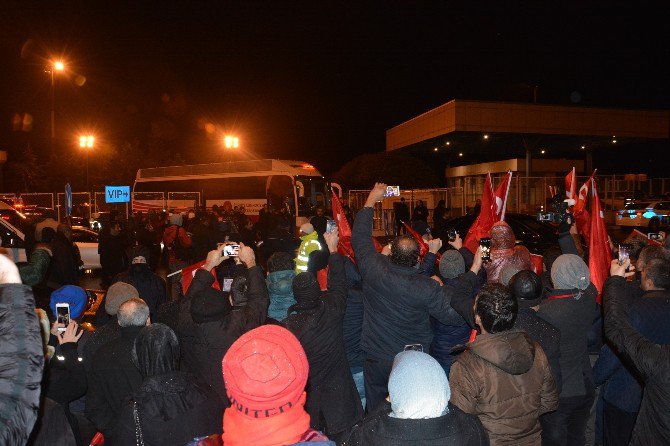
<point>13,244</point>
<point>535,235</point>
<point>638,213</point>
<point>10,214</point>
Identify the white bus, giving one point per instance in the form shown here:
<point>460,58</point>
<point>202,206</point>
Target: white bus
<point>250,184</point>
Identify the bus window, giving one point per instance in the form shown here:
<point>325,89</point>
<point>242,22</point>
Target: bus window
<point>315,194</point>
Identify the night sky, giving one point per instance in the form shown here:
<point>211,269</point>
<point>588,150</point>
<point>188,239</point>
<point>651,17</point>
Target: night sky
<point>316,81</point>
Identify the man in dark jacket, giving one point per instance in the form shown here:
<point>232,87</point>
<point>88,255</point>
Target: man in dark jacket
<point>418,410</point>
<point>526,287</point>
<point>150,286</point>
<point>398,300</point>
<point>651,360</point>
<point>64,262</point>
<point>113,375</point>
<point>570,307</point>
<point>112,250</point>
<point>401,212</point>
<point>332,400</point>
<point>622,392</point>
<point>503,377</point>
<point>218,318</point>
<point>21,357</point>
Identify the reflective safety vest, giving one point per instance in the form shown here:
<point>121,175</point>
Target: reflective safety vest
<point>310,243</point>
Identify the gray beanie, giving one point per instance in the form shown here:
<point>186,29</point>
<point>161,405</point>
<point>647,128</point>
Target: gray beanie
<point>418,387</point>
<point>118,294</point>
<point>507,272</point>
<point>452,264</point>
<point>569,272</point>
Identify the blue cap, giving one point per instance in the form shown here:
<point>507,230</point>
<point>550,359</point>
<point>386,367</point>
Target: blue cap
<point>73,295</point>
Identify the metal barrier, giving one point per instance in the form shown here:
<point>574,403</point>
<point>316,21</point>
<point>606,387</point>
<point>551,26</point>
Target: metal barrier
<point>41,200</point>
<point>81,205</point>
<point>182,201</point>
<point>384,211</point>
<point>148,201</point>
<point>100,205</point>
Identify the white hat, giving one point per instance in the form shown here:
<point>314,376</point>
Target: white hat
<point>306,228</point>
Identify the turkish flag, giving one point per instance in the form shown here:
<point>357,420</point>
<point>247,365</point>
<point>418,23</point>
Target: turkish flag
<point>484,222</point>
<point>343,228</point>
<point>600,255</point>
<point>538,263</point>
<point>500,196</point>
<point>582,217</point>
<point>188,273</point>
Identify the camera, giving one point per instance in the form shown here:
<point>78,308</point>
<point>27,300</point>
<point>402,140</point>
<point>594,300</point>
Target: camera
<point>559,207</point>
<point>392,191</point>
<point>451,235</point>
<point>231,250</point>
<point>485,244</point>
<point>331,225</point>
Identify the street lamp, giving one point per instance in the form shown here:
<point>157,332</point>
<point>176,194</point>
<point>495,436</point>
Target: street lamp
<point>86,142</point>
<point>56,65</point>
<point>231,142</point>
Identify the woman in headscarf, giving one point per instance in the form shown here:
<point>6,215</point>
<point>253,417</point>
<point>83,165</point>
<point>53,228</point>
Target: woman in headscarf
<point>417,410</point>
<point>504,252</point>
<point>169,408</point>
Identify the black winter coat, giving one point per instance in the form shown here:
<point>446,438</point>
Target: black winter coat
<point>651,360</point>
<point>456,428</point>
<point>206,343</point>
<point>100,337</point>
<point>398,300</point>
<point>112,379</point>
<point>21,363</point>
<point>173,409</point>
<point>547,336</point>
<point>151,287</point>
<point>333,402</point>
<point>352,325</point>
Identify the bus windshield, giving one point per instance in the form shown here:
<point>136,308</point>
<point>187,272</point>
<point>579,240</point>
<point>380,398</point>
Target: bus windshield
<point>315,193</point>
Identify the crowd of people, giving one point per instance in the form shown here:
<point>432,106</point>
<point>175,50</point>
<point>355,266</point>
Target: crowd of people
<point>289,341</point>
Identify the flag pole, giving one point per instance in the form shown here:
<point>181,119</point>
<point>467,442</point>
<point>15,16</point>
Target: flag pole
<point>509,184</point>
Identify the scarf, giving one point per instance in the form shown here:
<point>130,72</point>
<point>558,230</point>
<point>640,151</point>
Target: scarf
<point>279,430</point>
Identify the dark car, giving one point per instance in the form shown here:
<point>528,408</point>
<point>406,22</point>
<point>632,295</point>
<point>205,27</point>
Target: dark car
<point>535,235</point>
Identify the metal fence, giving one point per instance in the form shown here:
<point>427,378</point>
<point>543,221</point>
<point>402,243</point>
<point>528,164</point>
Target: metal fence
<point>100,205</point>
<point>42,200</point>
<point>182,201</point>
<point>148,201</point>
<point>81,205</point>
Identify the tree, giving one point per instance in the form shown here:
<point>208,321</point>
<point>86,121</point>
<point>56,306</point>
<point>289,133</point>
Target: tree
<point>392,168</point>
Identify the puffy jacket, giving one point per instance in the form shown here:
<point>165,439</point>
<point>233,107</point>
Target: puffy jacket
<point>33,272</point>
<point>652,362</point>
<point>505,379</point>
<point>21,363</point>
<point>309,243</point>
<point>280,288</point>
<point>352,325</point>
<point>169,236</point>
<point>398,300</point>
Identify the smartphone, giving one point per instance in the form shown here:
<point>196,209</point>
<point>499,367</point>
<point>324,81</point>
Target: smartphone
<point>624,253</point>
<point>485,244</point>
<point>63,315</point>
<point>231,250</point>
<point>451,235</point>
<point>331,225</point>
<point>415,347</point>
<point>654,236</point>
<point>392,191</point>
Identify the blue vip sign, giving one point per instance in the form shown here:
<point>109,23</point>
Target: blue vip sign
<point>117,194</point>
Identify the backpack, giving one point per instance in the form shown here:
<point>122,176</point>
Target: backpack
<point>180,251</point>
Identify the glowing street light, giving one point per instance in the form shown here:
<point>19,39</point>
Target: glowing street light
<point>59,65</point>
<point>231,142</point>
<point>87,142</point>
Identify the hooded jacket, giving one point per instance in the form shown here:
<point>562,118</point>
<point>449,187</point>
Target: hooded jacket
<point>504,252</point>
<point>505,379</point>
<point>333,402</point>
<point>150,286</point>
<point>172,406</point>
<point>309,243</point>
<point>279,285</point>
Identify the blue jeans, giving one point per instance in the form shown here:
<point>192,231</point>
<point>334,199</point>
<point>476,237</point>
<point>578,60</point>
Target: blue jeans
<point>357,374</point>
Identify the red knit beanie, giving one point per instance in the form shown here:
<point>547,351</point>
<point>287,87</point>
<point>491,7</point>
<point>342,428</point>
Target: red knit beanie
<point>265,372</point>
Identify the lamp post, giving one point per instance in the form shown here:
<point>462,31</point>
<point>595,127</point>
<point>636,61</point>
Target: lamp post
<point>86,142</point>
<point>56,65</point>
